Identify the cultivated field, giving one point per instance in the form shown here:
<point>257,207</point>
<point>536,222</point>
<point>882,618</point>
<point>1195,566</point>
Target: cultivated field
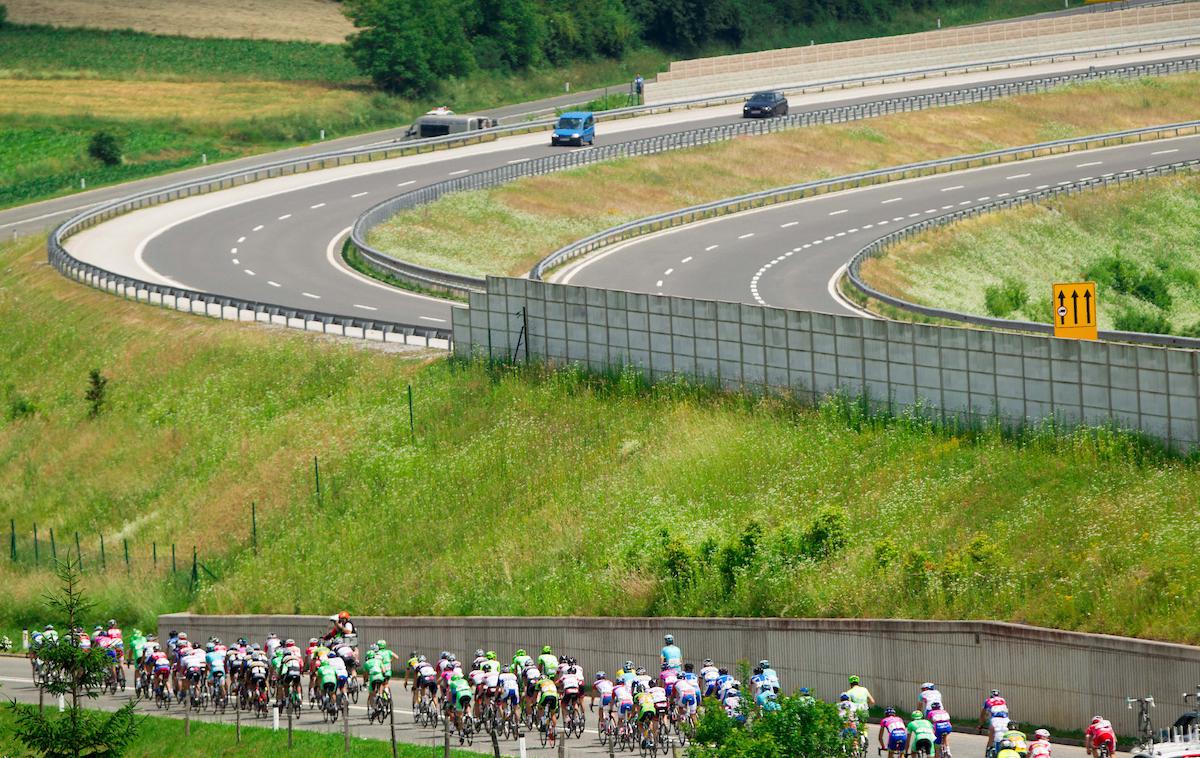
<point>664,500</point>
<point>506,230</point>
<point>1141,242</point>
<point>311,20</point>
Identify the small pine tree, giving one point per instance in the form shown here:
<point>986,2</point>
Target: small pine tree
<point>73,672</point>
<point>106,148</point>
<point>95,395</point>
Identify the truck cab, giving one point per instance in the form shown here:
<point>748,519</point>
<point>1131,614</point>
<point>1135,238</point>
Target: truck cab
<point>441,122</point>
<point>574,128</point>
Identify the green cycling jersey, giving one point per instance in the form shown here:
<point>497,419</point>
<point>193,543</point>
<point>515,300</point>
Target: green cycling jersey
<point>921,729</point>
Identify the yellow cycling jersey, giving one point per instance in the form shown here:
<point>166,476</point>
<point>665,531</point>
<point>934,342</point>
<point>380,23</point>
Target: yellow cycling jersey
<point>547,687</point>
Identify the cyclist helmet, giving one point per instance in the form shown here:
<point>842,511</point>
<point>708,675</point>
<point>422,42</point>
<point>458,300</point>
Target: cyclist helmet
<point>927,686</point>
<point>444,655</point>
<point>289,642</point>
<point>210,647</point>
<point>601,675</point>
<point>723,671</point>
<point>422,659</point>
<point>764,664</point>
<point>995,693</point>
<point>242,641</point>
<point>805,691</point>
<point>846,696</point>
<point>451,658</point>
<point>854,679</point>
<point>1006,744</point>
<point>758,670</point>
<point>1042,734</point>
<point>479,653</point>
<point>112,622</point>
<point>370,654</point>
<point>735,685</point>
<point>638,687</point>
<point>333,618</point>
<point>520,652</point>
<point>413,654</point>
<point>256,647</point>
<point>889,711</point>
<point>666,666</point>
<point>670,640</point>
<point>343,616</point>
<point>641,671</point>
<point>628,666</point>
<point>935,706</point>
<point>708,662</point>
<point>916,715</point>
<point>545,649</point>
<point>183,635</point>
<point>1096,719</point>
<point>50,628</point>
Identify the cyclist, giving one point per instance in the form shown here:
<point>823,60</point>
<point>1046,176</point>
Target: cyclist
<point>339,669</point>
<point>689,673</point>
<point>386,657</point>
<point>292,671</point>
<point>647,714</point>
<point>349,655</point>
<point>271,645</point>
<point>928,696</point>
<point>805,696</point>
<point>193,666</point>
<point>459,699</point>
<point>687,694</point>
<point>1040,747</point>
<point>733,702</point>
<point>994,713</point>
<point>342,627</point>
<point>161,671</point>
<point>860,696</point>
<point>1100,734</point>
<point>852,730</point>
<point>671,655</point>
<point>770,677</point>
<point>257,671</point>
<point>315,659</point>
<point>602,690</point>
<point>622,701</point>
<point>724,679</point>
<point>765,700</point>
<point>1006,750</point>
<point>547,662</point>
<point>477,678</point>
<point>520,660</point>
<point>658,694</point>
<point>531,676</point>
<point>451,668</point>
<point>214,659</point>
<point>893,734</point>
<point>410,667</point>
<point>669,677</point>
<point>114,631</point>
<point>1017,738</point>
<point>328,678</point>
<point>426,677</point>
<point>921,736</point>
<point>571,684</point>
<point>547,700</point>
<point>137,646</point>
<point>709,674</point>
<point>374,671</point>
<point>508,689</point>
<point>941,726</point>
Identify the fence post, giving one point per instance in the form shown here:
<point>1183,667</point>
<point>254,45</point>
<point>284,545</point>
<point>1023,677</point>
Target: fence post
<point>412,427</point>
<point>103,560</point>
<point>289,710</point>
<point>154,555</point>
<point>173,569</point>
<point>346,727</point>
<point>78,552</point>
<point>125,542</point>
<point>317,478</point>
<point>195,569</point>
<point>237,717</point>
<point>445,738</point>
<point>36,557</point>
<point>254,526</point>
<point>187,718</point>
<point>12,539</point>
<point>53,549</point>
<point>392,726</point>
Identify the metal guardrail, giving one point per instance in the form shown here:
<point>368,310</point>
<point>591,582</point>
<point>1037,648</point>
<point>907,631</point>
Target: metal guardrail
<point>879,247</point>
<point>462,284</point>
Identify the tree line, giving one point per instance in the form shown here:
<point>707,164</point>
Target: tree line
<point>408,47</point>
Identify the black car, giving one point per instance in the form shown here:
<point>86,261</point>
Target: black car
<point>765,105</point>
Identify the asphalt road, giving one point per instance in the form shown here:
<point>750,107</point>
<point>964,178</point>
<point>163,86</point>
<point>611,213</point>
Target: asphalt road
<point>787,255</point>
<point>14,676</point>
<point>279,245</point>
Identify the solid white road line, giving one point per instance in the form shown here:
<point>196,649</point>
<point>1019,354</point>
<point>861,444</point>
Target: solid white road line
<point>1089,163</point>
<point>518,160</point>
<point>405,184</point>
<point>335,260</point>
<point>1165,152</point>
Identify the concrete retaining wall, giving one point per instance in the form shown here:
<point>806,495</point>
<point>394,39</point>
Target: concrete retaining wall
<point>968,373</point>
<point>1049,677</point>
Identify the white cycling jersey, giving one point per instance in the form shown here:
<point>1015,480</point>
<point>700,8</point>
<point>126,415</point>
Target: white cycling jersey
<point>507,682</point>
<point>928,698</point>
<point>999,727</point>
<point>339,666</point>
<point>194,660</point>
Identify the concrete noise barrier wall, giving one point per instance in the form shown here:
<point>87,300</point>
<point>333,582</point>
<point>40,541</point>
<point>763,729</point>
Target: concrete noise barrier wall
<point>1053,678</point>
<point>972,374</point>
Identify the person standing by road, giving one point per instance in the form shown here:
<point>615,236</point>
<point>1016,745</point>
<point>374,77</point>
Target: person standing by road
<point>671,655</point>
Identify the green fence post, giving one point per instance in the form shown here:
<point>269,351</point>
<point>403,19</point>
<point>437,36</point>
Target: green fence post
<point>12,539</point>
<point>78,552</point>
<point>412,427</point>
<point>36,557</point>
<point>195,570</point>
<point>125,542</point>
<point>154,553</point>
<point>317,478</point>
<point>173,569</point>
<point>53,549</point>
<point>254,526</point>
<point>103,560</point>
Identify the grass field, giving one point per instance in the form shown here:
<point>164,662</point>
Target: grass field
<point>161,737</point>
<point>1140,242</point>
<point>664,500</point>
<point>507,229</point>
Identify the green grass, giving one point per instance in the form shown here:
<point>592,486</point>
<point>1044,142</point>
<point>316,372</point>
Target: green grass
<point>667,500</point>
<point>1140,241</point>
<point>162,737</point>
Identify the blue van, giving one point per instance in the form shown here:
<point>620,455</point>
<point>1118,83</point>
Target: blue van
<point>574,128</point>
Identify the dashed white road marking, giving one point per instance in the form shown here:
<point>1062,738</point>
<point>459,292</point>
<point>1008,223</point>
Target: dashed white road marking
<point>828,237</point>
<point>1089,163</point>
<point>983,199</point>
<point>838,213</point>
<point>257,228</point>
<point>248,272</point>
<point>668,272</point>
<point>1042,186</point>
<point>318,205</point>
<point>241,240</point>
<point>235,262</point>
<point>233,251</point>
<point>285,217</point>
<point>711,247</point>
<point>947,207</point>
<point>1018,176</point>
<point>1004,194</point>
<point>658,283</point>
<point>274,284</point>
<point>459,172</point>
<point>366,307</point>
<point>868,226</point>
<point>405,184</point>
<point>1022,191</point>
<point>790,223</point>
<point>931,210</point>
<point>891,200</point>
<point>685,260</point>
<point>358,194</point>
<point>746,236</point>
<point>431,318</point>
<point>951,189</point>
<point>894,218</point>
<point>1165,152</point>
<point>852,231</point>
<point>914,215</point>
<point>518,160</point>
<point>309,294</point>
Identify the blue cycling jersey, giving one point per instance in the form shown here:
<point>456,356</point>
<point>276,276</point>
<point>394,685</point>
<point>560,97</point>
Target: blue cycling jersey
<point>672,656</point>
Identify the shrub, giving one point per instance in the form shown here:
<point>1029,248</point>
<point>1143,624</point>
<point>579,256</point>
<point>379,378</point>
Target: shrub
<point>3,16</point>
<point>1152,288</point>
<point>106,148</point>
<point>97,388</point>
<point>1115,272</point>
<point>1006,297</point>
<point>1133,320</point>
<point>19,406</point>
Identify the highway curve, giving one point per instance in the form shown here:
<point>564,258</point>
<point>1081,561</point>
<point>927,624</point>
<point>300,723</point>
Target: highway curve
<point>277,241</point>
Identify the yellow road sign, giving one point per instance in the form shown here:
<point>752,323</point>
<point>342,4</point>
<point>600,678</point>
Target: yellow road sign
<point>1074,307</point>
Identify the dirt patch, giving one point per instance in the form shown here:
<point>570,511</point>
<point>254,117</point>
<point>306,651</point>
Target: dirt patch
<point>310,20</point>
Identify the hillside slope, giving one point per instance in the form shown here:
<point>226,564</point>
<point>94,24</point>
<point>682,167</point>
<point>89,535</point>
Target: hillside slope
<point>533,492</point>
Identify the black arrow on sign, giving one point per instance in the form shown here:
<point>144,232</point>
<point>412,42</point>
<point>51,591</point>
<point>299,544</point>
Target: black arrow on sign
<point>1075,305</point>
<point>1062,318</point>
<point>1087,306</point>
